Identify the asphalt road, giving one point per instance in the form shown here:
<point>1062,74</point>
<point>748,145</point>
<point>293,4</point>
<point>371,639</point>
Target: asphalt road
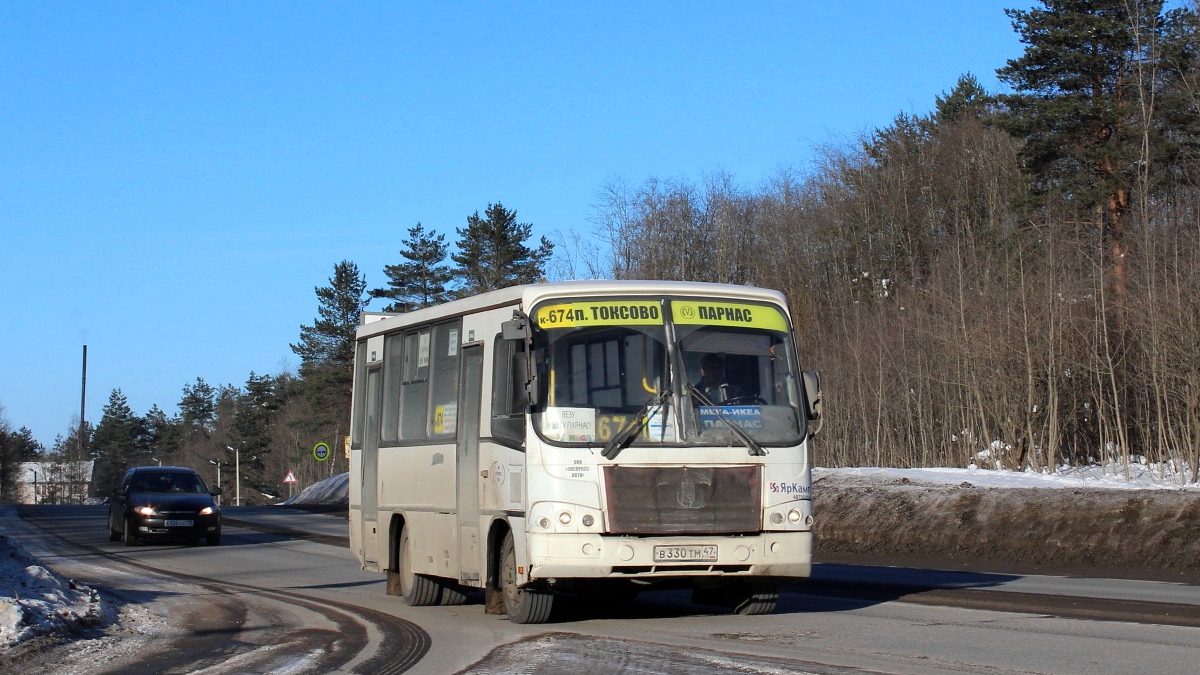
<point>282,594</point>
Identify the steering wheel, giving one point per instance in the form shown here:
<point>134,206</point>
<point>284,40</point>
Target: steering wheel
<point>748,399</point>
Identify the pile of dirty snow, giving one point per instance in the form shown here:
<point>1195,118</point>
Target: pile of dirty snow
<point>37,601</point>
<point>331,491</point>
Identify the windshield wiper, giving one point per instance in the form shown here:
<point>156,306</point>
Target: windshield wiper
<point>751,444</point>
<point>625,436</point>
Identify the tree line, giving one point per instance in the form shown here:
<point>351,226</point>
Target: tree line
<point>260,430</point>
<point>1010,280</point>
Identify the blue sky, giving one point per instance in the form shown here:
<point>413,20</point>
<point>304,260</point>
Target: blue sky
<point>177,178</point>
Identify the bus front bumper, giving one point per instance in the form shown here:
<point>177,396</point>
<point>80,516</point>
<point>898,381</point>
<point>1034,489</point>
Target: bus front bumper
<point>769,554</point>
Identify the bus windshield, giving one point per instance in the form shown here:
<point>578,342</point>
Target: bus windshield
<point>684,371</point>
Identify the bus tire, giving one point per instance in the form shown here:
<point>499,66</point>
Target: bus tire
<point>523,605</point>
<point>754,598</point>
<point>452,593</point>
<point>418,590</point>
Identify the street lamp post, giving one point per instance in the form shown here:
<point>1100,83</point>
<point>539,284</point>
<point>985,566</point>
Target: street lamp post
<point>218,465</point>
<point>237,468</point>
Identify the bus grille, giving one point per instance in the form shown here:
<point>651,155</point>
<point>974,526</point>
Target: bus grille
<point>683,500</point>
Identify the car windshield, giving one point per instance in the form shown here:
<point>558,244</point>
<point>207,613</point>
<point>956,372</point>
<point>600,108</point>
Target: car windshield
<point>168,483</point>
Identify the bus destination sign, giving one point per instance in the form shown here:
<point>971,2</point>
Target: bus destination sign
<point>600,313</point>
<point>717,313</point>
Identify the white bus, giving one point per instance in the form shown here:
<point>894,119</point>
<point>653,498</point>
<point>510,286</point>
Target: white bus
<point>596,437</point>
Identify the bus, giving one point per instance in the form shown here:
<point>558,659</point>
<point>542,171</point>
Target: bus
<point>591,437</point>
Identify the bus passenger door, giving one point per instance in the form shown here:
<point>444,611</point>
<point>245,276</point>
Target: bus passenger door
<point>470,391</point>
<point>370,466</point>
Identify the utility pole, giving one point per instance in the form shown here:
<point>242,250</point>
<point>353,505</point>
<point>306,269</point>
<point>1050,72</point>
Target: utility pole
<point>82,404</point>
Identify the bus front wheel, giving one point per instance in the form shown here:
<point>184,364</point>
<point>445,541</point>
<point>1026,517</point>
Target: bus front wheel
<point>418,590</point>
<point>523,605</point>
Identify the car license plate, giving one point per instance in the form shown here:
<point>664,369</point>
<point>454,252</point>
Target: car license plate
<point>180,523</point>
<point>685,554</point>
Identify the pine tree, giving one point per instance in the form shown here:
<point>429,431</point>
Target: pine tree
<point>492,252</point>
<point>198,407</point>
<point>164,435</point>
<point>968,99</point>
<point>10,461</point>
<point>28,447</point>
<point>1081,107</point>
<point>330,340</point>
<point>120,442</point>
<point>252,425</point>
<point>421,281</point>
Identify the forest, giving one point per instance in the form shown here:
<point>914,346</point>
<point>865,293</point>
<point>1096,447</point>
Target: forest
<point>1009,280</point>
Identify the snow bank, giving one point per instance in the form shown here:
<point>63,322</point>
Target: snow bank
<point>331,491</point>
<point>36,601</point>
<point>1141,477</point>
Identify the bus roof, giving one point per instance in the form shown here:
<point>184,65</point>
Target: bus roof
<point>372,323</point>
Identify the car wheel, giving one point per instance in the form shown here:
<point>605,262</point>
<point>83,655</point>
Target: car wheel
<point>113,535</point>
<point>213,539</point>
<point>130,537</point>
<point>523,605</point>
<point>418,590</point>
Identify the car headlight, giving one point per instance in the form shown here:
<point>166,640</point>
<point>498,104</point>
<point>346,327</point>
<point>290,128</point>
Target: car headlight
<point>207,511</point>
<point>145,511</point>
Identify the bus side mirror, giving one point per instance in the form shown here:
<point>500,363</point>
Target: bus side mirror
<point>517,330</point>
<point>514,329</point>
<point>812,396</point>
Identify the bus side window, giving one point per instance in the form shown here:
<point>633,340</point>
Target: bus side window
<point>414,385</point>
<point>508,391</point>
<point>359,416</point>
<point>392,365</point>
<point>443,385</point>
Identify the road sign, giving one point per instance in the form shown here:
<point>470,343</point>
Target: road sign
<point>321,451</point>
<point>290,478</point>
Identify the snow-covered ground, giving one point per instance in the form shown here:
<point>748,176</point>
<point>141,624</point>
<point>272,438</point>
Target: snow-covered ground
<point>34,600</point>
<point>1141,477</point>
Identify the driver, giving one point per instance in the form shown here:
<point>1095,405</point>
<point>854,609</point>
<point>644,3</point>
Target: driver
<point>712,380</point>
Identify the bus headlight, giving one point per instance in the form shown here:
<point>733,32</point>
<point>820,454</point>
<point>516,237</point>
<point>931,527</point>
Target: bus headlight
<point>793,516</point>
<point>777,518</point>
<point>564,517</point>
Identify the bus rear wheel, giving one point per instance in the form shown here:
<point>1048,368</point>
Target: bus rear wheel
<point>523,605</point>
<point>453,593</point>
<point>418,590</point>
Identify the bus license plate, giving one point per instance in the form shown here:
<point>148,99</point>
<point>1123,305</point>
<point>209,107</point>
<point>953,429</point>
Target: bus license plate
<point>179,523</point>
<point>685,554</point>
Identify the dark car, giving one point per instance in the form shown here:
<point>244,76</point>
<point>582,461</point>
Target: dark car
<point>163,502</point>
